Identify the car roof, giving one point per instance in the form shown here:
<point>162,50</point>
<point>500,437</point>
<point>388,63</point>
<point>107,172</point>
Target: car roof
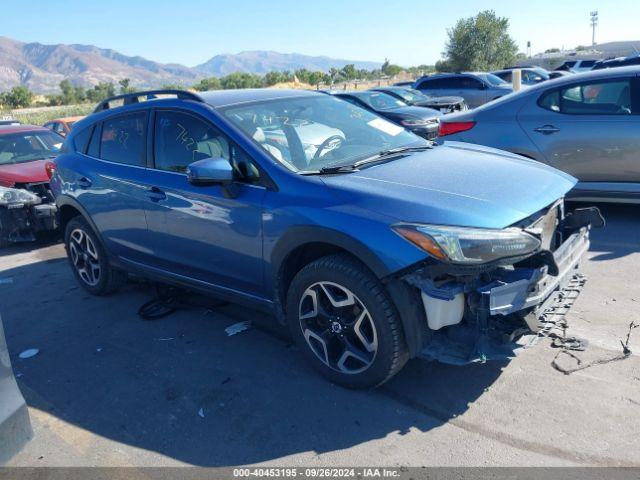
<point>7,129</point>
<point>225,98</point>
<point>590,75</point>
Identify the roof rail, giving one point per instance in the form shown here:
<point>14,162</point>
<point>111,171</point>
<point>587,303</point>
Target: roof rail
<point>131,98</point>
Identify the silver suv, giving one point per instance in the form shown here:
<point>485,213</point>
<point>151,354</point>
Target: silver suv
<point>477,88</point>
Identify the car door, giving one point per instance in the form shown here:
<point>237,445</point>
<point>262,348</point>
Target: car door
<point>204,233</point>
<point>590,129</point>
<point>110,184</point>
<point>472,90</point>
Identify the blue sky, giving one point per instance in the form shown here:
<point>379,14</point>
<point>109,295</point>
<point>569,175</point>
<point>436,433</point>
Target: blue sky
<point>406,32</point>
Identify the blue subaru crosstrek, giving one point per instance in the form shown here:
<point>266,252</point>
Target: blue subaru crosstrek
<point>372,244</point>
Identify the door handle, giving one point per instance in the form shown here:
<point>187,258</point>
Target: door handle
<point>156,195</point>
<point>546,129</point>
<point>84,182</point>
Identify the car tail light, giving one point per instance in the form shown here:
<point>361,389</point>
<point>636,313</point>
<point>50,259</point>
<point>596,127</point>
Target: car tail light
<point>50,168</point>
<point>449,128</point>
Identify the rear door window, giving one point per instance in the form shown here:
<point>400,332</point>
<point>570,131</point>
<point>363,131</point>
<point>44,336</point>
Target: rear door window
<point>433,84</point>
<point>123,139</point>
<point>605,97</point>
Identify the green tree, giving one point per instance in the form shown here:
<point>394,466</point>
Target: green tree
<point>241,80</point>
<point>125,86</point>
<point>272,78</point>
<point>71,94</point>
<point>206,84</point>
<point>101,91</point>
<point>316,78</point>
<point>443,66</point>
<point>349,72</point>
<point>480,43</point>
<point>17,97</point>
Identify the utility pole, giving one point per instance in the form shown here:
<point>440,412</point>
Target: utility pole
<point>594,22</point>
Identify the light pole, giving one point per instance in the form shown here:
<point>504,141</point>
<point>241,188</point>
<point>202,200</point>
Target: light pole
<point>594,22</point>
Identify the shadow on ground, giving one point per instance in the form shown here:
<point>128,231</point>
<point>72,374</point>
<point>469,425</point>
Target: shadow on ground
<point>621,235</point>
<point>142,383</point>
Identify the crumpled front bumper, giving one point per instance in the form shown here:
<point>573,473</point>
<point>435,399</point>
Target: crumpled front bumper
<point>20,224</point>
<point>536,289</point>
<point>477,315</point>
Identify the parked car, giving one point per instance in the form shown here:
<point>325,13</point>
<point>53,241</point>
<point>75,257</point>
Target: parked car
<point>62,126</point>
<point>587,125</point>
<point>416,98</point>
<point>380,248</point>
<point>420,120</point>
<point>618,62</point>
<point>27,206</point>
<point>530,75</point>
<point>8,120</point>
<point>476,88</point>
<point>577,66</point>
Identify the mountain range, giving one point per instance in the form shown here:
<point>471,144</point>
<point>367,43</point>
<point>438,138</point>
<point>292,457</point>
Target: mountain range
<point>42,67</point>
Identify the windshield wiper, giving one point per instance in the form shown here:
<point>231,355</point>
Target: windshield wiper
<point>392,152</point>
<point>380,156</point>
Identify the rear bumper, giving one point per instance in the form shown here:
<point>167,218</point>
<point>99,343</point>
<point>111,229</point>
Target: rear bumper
<point>23,223</point>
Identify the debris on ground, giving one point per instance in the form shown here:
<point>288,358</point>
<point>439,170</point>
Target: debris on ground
<point>237,328</point>
<point>567,343</point>
<point>99,349</point>
<point>201,413</point>
<point>31,352</point>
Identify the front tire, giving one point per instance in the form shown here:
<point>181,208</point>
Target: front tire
<point>88,259</point>
<point>343,320</point>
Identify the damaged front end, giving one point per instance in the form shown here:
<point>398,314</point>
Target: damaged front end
<point>489,288</point>
<point>25,210</point>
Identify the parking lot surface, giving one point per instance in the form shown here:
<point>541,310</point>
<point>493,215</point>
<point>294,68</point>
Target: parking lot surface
<point>110,389</point>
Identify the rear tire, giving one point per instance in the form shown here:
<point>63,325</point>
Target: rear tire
<point>344,321</point>
<point>88,259</point>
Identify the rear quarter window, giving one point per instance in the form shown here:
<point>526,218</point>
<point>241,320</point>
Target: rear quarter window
<point>81,139</point>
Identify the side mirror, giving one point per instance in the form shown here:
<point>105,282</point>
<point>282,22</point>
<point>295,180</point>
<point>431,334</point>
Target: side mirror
<point>210,171</point>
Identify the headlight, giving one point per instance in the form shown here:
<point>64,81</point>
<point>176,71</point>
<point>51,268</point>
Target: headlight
<point>11,196</point>
<point>416,122</point>
<point>468,245</point>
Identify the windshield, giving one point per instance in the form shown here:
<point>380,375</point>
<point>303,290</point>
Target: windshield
<point>307,134</point>
<point>28,146</point>
<point>493,79</point>
<point>380,100</point>
<point>410,95</point>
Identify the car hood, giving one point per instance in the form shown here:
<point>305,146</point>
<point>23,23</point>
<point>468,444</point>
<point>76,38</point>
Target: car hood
<point>26,172</point>
<point>454,184</point>
<point>419,112</point>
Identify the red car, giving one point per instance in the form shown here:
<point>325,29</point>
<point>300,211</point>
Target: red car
<point>26,161</point>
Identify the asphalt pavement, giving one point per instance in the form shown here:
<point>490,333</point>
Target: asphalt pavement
<point>110,389</point>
